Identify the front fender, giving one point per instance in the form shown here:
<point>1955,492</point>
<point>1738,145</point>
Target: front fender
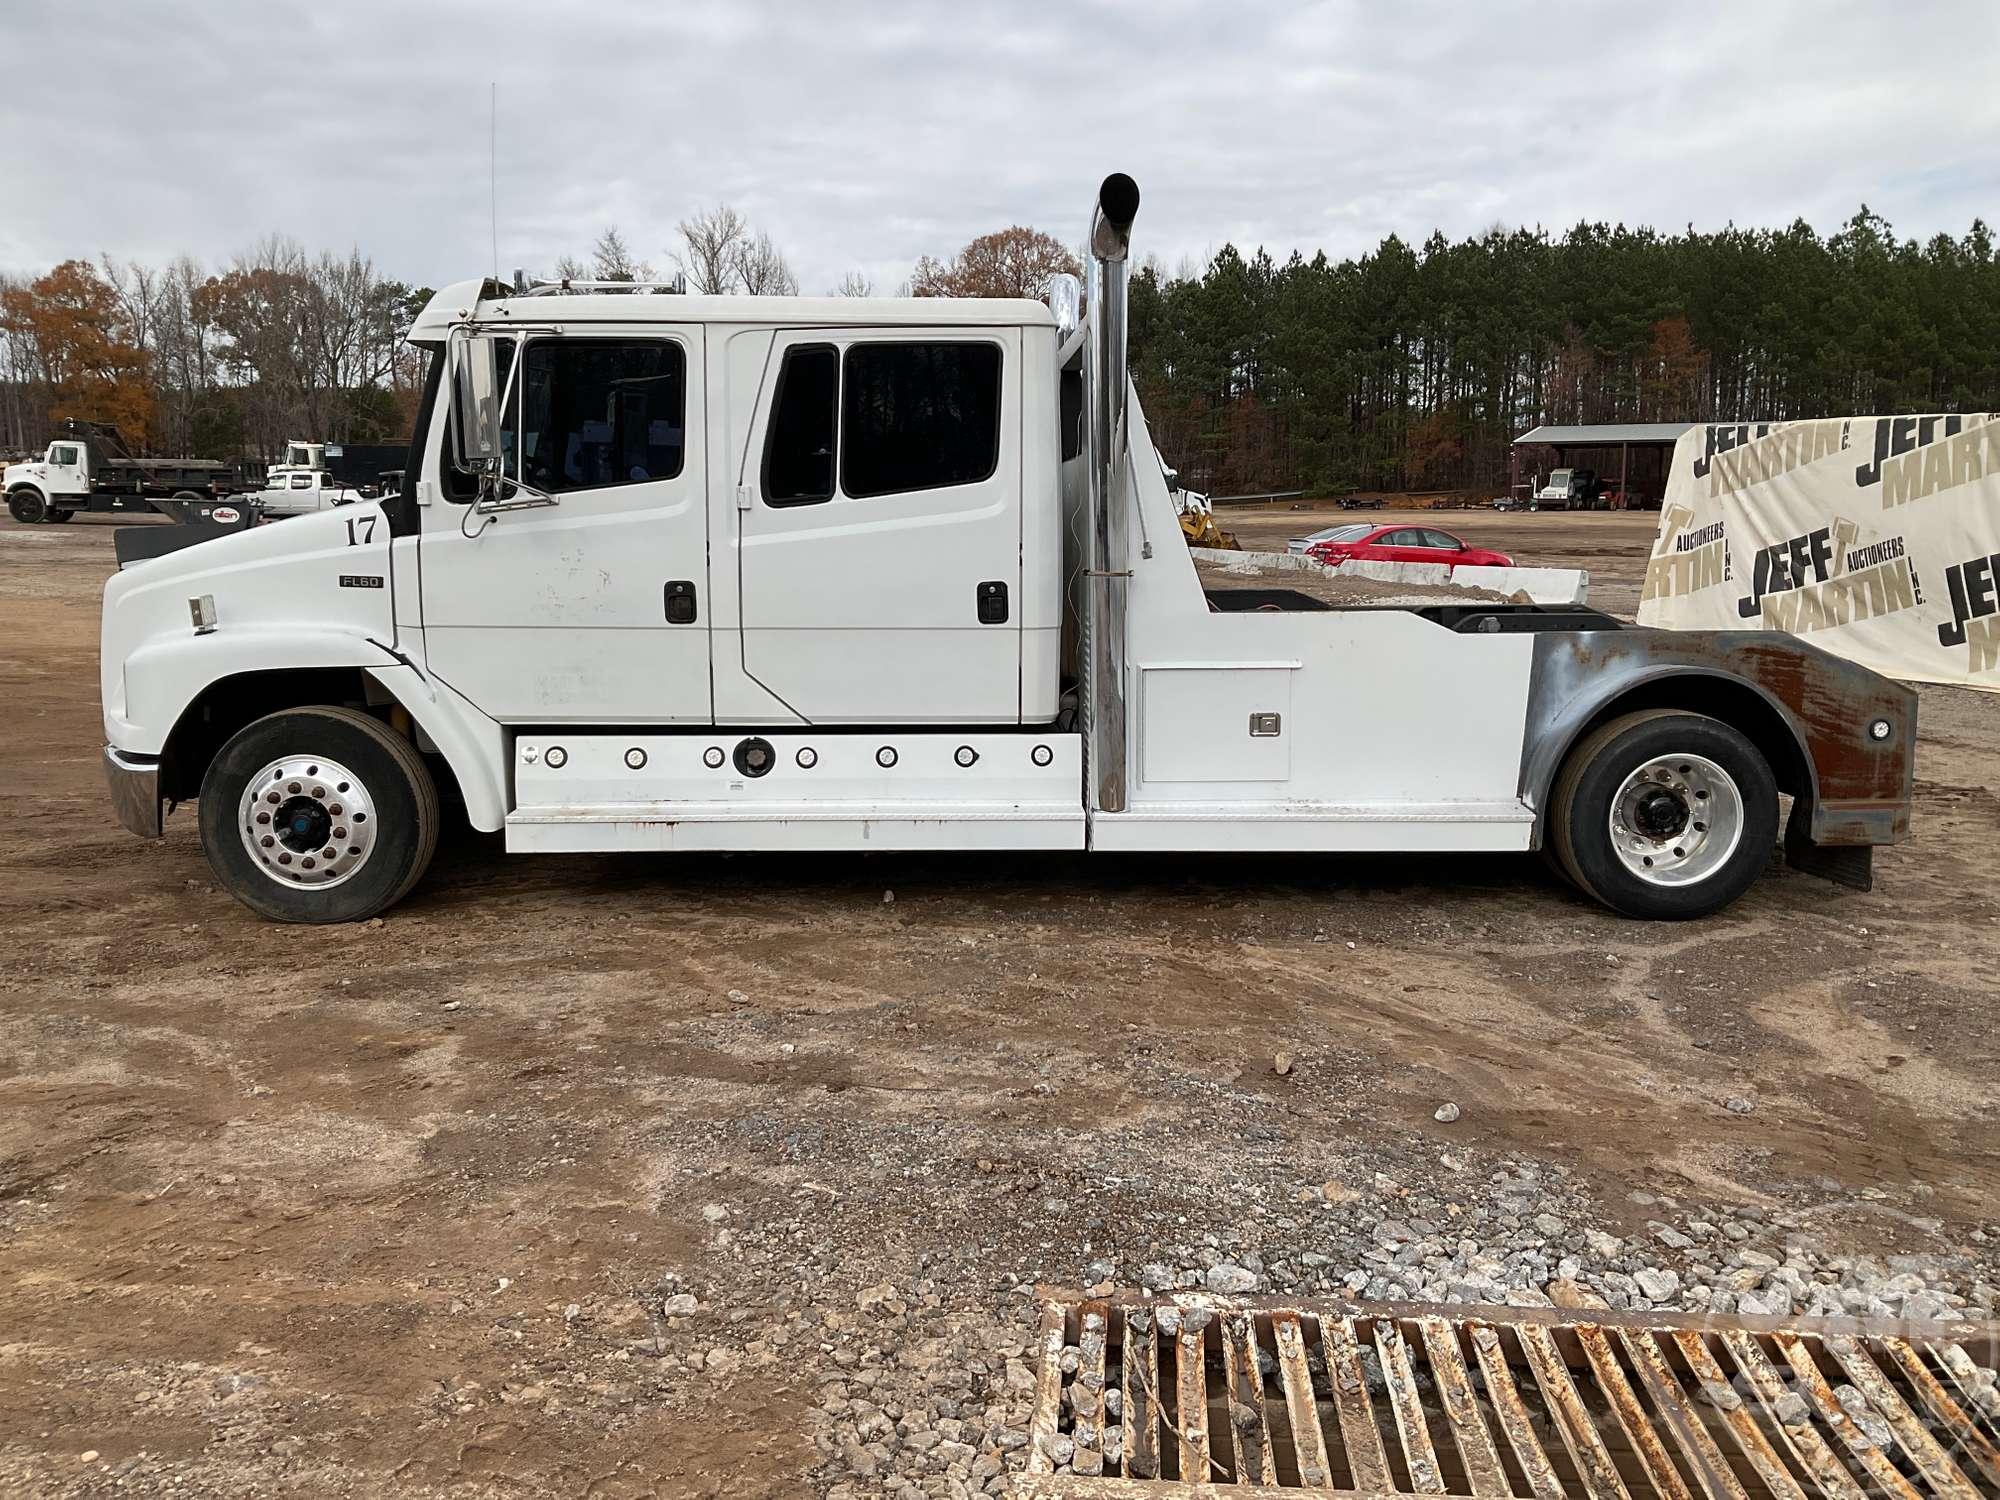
<point>474,746</point>
<point>159,679</point>
<point>172,675</point>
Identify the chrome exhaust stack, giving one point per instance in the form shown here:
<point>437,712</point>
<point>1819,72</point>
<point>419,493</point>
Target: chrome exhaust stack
<point>1109,568</point>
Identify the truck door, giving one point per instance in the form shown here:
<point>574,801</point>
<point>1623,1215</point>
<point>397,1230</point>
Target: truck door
<point>69,475</point>
<point>593,609</point>
<point>878,531</point>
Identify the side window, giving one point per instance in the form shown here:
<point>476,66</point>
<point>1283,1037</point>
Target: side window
<point>65,456</point>
<point>302,481</point>
<point>918,416</point>
<point>798,449</point>
<point>597,413</point>
<point>1069,397</point>
<point>1439,540</point>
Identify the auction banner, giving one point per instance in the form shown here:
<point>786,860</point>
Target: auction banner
<point>1874,538</point>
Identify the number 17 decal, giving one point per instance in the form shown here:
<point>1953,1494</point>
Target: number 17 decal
<point>365,525</point>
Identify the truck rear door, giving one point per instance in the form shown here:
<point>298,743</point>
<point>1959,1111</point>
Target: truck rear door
<point>878,531</point>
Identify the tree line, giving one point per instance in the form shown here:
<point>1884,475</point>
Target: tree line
<point>221,363</point>
<point>1409,367</point>
<point>1415,367</point>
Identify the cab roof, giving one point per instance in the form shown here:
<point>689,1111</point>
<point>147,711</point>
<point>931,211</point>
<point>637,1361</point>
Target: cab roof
<point>455,304</point>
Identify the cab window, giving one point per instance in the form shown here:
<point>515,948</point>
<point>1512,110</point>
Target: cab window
<point>62,454</point>
<point>597,413</point>
<point>798,452</point>
<point>302,481</point>
<point>918,417</point>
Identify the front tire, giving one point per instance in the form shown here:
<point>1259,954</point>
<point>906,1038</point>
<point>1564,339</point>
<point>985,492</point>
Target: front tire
<point>28,507</point>
<point>1664,814</point>
<point>318,815</point>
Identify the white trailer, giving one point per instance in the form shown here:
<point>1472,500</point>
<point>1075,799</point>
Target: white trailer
<point>697,573</point>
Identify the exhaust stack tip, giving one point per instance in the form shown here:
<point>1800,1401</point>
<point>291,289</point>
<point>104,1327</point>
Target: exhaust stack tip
<point>1118,200</point>
<point>1111,226</point>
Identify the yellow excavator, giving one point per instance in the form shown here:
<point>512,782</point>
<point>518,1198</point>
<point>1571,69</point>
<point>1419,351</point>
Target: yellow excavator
<point>1198,518</point>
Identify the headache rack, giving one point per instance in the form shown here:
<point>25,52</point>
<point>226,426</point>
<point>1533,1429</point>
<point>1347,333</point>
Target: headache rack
<point>1183,1397</point>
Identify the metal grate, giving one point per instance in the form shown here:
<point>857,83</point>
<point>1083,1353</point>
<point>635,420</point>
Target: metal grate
<point>1138,1398</point>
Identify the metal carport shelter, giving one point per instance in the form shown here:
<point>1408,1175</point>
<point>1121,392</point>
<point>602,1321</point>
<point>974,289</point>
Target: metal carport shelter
<point>1637,452</point>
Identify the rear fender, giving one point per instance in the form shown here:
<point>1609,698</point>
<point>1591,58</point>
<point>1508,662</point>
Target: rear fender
<point>1849,789</point>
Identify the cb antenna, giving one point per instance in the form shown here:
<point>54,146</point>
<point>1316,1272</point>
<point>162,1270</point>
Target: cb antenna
<point>493,166</point>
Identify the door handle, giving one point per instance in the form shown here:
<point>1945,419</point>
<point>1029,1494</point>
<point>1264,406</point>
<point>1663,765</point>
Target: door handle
<point>680,598</point>
<point>992,599</point>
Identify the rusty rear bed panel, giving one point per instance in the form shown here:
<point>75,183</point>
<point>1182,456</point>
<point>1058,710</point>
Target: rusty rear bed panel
<point>1861,789</point>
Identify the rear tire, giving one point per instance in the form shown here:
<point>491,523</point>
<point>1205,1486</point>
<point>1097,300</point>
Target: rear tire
<point>1663,815</point>
<point>278,801</point>
<point>27,507</point>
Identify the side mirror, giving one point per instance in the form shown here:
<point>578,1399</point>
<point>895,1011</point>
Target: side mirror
<point>477,406</point>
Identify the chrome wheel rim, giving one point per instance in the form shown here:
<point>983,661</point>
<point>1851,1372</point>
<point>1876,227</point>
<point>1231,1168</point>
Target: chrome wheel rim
<point>1676,820</point>
<point>308,822</point>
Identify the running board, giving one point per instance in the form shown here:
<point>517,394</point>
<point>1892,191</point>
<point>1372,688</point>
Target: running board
<point>1141,1398</point>
<point>1318,827</point>
<point>589,791</point>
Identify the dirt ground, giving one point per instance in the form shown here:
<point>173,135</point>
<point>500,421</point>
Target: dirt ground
<point>729,1176</point>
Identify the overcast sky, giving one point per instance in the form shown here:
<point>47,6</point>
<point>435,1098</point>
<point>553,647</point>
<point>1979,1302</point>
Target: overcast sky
<point>862,135</point>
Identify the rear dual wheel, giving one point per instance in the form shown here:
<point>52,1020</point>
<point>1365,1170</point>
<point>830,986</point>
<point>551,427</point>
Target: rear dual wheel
<point>318,815</point>
<point>1663,814</point>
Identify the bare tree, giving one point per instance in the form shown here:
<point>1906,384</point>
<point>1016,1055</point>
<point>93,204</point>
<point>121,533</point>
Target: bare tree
<point>711,251</point>
<point>612,261</point>
<point>761,270</point>
<point>854,284</point>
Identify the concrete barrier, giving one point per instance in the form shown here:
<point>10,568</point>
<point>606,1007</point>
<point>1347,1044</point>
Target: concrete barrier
<point>1542,585</point>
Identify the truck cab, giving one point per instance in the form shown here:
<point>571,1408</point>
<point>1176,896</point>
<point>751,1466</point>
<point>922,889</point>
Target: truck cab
<point>1568,489</point>
<point>49,488</point>
<point>675,573</point>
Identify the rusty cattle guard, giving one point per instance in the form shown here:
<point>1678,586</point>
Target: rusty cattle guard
<point>1139,1398</point>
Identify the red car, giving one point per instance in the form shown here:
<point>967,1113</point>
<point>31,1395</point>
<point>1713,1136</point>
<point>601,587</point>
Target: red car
<point>1403,544</point>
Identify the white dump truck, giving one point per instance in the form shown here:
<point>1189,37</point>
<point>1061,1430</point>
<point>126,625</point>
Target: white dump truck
<point>89,469</point>
<point>719,573</point>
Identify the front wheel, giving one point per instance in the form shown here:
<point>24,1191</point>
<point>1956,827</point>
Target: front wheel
<point>1664,814</point>
<point>27,507</point>
<point>318,815</point>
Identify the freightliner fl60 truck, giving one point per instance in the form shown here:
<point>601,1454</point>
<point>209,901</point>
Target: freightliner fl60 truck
<point>696,573</point>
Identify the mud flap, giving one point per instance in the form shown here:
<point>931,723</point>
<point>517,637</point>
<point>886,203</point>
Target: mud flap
<point>1851,865</point>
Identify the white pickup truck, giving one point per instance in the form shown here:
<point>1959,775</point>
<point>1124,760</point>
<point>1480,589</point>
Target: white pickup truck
<point>697,573</point>
<point>303,484</point>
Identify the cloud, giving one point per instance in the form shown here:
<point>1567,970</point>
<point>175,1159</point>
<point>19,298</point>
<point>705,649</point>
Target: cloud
<point>862,135</point>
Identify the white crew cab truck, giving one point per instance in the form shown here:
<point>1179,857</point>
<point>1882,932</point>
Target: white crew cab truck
<point>689,573</point>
